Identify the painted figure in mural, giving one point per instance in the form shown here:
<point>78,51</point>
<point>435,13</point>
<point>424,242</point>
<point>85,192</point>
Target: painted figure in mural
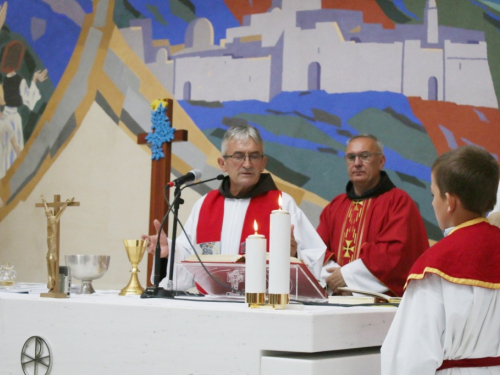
<point>52,242</point>
<point>8,141</point>
<point>448,317</point>
<point>17,92</point>
<point>373,232</point>
<point>223,218</point>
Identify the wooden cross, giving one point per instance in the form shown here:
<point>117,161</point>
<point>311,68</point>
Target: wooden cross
<point>53,242</point>
<point>160,176</point>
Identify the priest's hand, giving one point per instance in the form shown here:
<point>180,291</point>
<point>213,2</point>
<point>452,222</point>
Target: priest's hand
<point>154,238</point>
<point>335,280</point>
<point>293,245</point>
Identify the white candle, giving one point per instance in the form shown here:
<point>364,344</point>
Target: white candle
<point>279,252</point>
<point>255,269</point>
<point>255,264</point>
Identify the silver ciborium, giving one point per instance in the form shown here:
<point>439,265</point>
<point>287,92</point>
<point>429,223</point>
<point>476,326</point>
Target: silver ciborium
<point>87,268</point>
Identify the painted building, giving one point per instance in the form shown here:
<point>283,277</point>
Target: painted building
<point>297,46</point>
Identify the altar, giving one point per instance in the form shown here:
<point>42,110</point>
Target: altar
<point>104,333</point>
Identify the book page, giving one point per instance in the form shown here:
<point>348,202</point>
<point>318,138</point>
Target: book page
<point>350,300</point>
<point>382,296</point>
<point>216,258</point>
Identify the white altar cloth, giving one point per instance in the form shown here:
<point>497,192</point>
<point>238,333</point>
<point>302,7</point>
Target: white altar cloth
<point>105,333</point>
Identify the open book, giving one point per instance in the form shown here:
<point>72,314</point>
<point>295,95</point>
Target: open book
<point>227,258</point>
<point>375,295</point>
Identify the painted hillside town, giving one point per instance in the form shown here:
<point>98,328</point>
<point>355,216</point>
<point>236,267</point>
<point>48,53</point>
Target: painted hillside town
<point>339,53</point>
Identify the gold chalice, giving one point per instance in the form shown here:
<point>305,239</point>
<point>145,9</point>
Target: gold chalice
<point>135,251</point>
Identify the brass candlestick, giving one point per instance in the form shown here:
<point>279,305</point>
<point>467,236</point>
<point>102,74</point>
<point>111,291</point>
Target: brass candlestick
<point>135,252</point>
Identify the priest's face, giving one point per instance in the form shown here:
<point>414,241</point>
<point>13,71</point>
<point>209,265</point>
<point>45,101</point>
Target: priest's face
<point>243,162</point>
<point>440,205</point>
<point>364,163</point>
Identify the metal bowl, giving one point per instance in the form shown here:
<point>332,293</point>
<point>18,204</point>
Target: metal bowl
<point>87,268</point>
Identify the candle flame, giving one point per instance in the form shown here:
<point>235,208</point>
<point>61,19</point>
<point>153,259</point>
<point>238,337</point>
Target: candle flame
<point>255,226</point>
<point>280,201</point>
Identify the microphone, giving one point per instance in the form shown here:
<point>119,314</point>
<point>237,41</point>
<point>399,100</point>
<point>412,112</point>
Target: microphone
<point>219,177</point>
<point>193,175</point>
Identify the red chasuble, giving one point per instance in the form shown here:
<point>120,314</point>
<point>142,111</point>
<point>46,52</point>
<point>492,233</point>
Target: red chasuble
<point>469,255</point>
<point>212,214</point>
<point>386,232</point>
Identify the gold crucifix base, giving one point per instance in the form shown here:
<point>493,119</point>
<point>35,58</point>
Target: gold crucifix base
<point>54,295</point>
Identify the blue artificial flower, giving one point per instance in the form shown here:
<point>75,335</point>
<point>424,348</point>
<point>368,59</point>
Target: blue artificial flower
<point>161,131</point>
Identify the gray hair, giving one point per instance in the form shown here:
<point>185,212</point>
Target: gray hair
<point>379,144</point>
<point>241,133</point>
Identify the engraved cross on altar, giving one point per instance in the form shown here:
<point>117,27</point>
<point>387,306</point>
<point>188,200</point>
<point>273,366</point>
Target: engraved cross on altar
<point>53,242</point>
<point>160,176</point>
<point>234,278</point>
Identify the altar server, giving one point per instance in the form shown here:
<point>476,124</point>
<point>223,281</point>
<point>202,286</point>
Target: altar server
<point>448,321</point>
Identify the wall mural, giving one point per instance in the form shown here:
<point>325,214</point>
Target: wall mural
<point>308,74</point>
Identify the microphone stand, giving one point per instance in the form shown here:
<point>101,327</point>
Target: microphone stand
<point>156,291</point>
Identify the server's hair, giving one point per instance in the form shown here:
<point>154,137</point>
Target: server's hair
<point>471,173</point>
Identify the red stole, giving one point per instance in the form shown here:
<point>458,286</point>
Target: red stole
<point>469,255</point>
<point>212,214</point>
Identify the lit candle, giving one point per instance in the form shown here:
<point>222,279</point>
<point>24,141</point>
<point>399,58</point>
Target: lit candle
<point>255,268</point>
<point>279,257</point>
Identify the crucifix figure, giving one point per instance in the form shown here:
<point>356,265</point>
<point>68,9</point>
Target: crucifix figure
<point>53,219</point>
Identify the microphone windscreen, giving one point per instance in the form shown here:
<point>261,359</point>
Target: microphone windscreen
<point>197,174</point>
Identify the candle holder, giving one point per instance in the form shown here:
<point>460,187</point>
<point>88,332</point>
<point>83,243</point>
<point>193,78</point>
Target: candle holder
<point>255,300</point>
<point>279,301</point>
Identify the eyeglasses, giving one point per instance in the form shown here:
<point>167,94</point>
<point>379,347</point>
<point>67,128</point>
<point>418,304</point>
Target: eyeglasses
<point>364,156</point>
<point>240,156</point>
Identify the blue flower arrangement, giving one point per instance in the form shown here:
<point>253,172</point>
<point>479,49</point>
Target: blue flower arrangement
<point>161,130</point>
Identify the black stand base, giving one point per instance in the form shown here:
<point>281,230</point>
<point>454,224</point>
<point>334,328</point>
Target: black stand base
<point>157,292</point>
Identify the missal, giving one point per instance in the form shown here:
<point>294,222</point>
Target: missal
<point>350,300</point>
<point>227,258</point>
<point>374,295</point>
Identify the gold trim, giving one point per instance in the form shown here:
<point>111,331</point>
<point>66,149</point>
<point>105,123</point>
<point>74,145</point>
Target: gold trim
<point>451,279</point>
<point>469,223</point>
<point>279,301</point>
<point>255,298</point>
<point>361,228</point>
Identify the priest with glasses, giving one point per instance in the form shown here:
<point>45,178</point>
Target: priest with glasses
<point>221,220</point>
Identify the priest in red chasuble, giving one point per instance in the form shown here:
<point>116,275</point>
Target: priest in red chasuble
<point>221,220</point>
<point>373,232</point>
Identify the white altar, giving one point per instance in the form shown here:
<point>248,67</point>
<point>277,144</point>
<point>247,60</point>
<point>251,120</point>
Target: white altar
<point>105,333</point>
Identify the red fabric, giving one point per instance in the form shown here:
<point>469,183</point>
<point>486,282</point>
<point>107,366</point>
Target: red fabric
<point>386,232</point>
<point>212,213</point>
<point>470,362</point>
<point>469,256</point>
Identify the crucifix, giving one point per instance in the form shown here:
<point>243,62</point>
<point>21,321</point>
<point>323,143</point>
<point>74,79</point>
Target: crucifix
<point>53,242</point>
<point>160,176</point>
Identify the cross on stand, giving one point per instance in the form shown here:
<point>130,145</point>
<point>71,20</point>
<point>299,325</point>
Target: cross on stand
<point>53,242</point>
<point>160,176</point>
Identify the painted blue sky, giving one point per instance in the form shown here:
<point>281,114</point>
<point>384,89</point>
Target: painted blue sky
<point>175,27</point>
<point>55,47</point>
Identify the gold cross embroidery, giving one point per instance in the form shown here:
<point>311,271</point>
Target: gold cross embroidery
<point>356,204</point>
<point>348,248</point>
